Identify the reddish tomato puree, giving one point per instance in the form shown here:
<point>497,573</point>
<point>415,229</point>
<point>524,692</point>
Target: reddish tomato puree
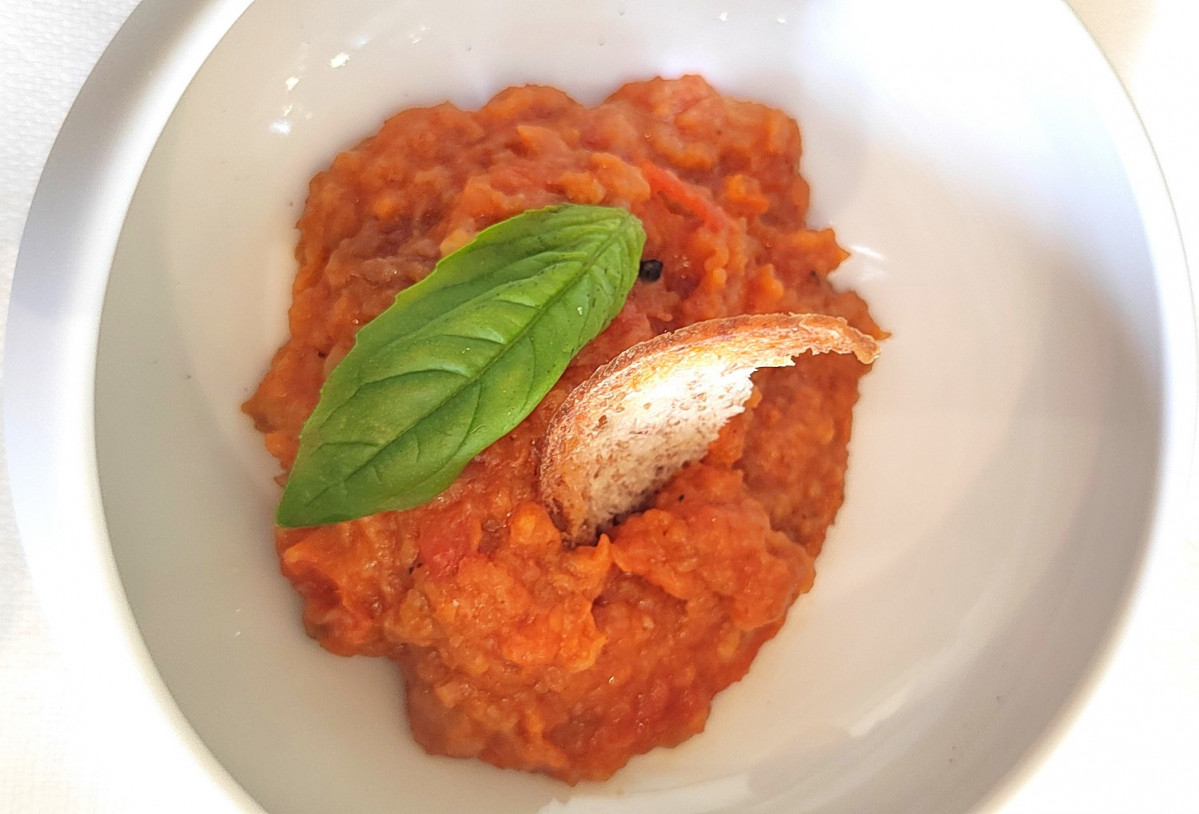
<point>515,648</point>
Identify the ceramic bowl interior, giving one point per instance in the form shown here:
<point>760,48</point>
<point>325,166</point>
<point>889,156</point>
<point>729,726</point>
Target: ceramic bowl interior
<point>1006,447</point>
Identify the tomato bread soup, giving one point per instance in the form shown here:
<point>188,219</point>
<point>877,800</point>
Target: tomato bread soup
<point>515,646</point>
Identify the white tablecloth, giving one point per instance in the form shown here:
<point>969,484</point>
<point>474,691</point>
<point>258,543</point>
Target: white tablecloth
<point>1134,748</point>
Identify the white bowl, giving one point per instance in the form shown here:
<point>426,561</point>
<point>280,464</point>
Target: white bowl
<point>1012,448</point>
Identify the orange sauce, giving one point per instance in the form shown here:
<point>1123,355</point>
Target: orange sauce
<point>514,648</point>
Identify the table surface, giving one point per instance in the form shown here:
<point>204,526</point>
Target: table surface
<point>1134,747</point>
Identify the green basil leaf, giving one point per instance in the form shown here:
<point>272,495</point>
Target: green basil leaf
<point>458,360</point>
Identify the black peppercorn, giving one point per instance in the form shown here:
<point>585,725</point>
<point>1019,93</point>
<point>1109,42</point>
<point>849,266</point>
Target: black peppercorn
<point>650,270</point>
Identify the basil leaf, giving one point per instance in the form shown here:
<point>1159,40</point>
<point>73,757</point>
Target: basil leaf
<point>458,360</point>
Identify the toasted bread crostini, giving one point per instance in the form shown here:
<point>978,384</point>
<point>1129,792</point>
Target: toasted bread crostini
<point>623,432</point>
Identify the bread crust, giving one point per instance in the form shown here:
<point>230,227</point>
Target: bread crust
<point>624,431</point>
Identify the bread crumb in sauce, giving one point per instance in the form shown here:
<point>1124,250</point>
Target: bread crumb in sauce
<point>515,648</point>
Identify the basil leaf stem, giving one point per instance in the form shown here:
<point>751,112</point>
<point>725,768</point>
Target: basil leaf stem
<point>458,360</point>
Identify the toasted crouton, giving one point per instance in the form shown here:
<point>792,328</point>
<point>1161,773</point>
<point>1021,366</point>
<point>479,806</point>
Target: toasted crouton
<point>622,433</point>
